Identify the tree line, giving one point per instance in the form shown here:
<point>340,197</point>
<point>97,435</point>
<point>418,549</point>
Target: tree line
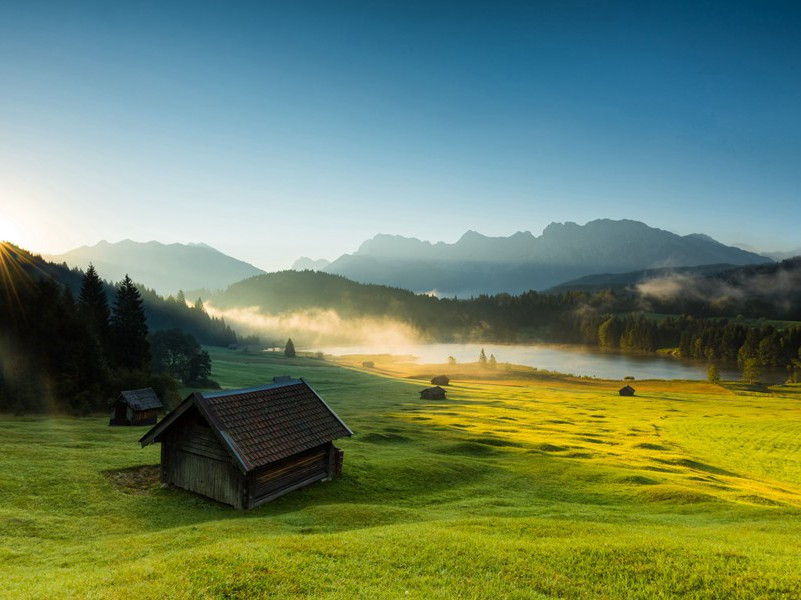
<point>62,353</point>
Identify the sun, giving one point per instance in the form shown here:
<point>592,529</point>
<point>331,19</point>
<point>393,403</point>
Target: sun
<point>9,231</point>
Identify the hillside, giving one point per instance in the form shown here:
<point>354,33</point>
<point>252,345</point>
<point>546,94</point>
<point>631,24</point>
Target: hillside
<point>167,268</point>
<point>601,281</point>
<point>20,266</point>
<point>507,489</point>
<point>477,264</point>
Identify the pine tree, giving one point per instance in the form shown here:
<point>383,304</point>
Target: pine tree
<point>482,358</point>
<point>289,350</point>
<point>492,362</point>
<point>129,328</point>
<point>94,304</point>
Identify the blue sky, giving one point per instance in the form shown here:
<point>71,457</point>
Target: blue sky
<point>274,130</point>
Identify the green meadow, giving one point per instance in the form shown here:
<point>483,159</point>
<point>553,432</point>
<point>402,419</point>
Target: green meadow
<point>519,485</point>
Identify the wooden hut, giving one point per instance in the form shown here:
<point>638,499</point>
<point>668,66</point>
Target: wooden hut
<point>440,380</point>
<point>626,390</point>
<point>247,447</point>
<point>433,393</point>
<point>135,407</point>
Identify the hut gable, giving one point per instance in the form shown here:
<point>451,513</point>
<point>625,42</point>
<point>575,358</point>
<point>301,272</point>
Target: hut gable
<point>246,447</point>
<point>626,390</point>
<point>433,393</point>
<point>135,407</point>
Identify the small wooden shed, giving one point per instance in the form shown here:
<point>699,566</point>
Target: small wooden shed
<point>626,390</point>
<point>440,380</point>
<point>135,407</point>
<point>249,446</point>
<point>433,393</point>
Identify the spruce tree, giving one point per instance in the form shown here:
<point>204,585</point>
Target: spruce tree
<point>482,358</point>
<point>289,350</point>
<point>93,304</point>
<point>129,328</point>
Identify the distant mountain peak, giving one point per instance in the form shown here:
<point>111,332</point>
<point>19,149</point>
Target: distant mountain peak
<point>166,268</point>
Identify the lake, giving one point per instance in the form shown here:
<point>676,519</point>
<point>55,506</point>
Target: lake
<point>575,360</point>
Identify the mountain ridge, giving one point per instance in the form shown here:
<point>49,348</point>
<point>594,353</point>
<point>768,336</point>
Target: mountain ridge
<point>167,268</point>
<point>479,264</point>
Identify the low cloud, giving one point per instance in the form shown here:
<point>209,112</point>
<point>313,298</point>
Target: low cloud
<point>318,327</point>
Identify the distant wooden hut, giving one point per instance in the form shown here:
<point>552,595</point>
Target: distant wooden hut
<point>135,407</point>
<point>247,447</point>
<point>433,393</point>
<point>369,364</point>
<point>440,380</point>
<point>626,390</point>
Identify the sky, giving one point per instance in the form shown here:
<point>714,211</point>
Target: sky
<point>276,130</point>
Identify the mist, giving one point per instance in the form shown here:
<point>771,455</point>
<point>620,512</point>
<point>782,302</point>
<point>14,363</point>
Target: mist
<point>317,327</point>
<point>777,289</point>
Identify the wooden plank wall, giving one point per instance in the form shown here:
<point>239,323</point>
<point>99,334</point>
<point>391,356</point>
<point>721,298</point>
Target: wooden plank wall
<point>197,462</point>
<point>287,473</point>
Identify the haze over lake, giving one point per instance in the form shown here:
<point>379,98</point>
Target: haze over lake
<point>574,360</point>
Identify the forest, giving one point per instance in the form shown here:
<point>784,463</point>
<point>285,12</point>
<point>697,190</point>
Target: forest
<point>71,351</point>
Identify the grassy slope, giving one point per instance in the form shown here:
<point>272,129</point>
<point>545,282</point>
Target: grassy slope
<point>525,488</point>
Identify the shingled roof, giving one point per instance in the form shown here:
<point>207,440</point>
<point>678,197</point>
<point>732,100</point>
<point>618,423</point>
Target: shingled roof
<point>263,424</point>
<point>144,399</point>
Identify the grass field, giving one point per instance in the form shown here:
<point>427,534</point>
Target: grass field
<point>518,486</point>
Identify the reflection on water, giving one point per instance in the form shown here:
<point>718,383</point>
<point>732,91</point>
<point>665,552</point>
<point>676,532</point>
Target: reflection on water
<point>575,360</point>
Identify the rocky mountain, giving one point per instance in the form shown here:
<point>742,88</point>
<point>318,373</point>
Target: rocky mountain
<point>478,264</point>
<point>304,263</point>
<point>166,268</point>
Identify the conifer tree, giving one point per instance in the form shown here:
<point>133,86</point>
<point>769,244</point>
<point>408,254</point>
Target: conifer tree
<point>94,304</point>
<point>482,358</point>
<point>289,350</point>
<point>713,374</point>
<point>129,328</point>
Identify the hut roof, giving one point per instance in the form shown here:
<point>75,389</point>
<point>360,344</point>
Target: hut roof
<point>263,424</point>
<point>144,399</point>
<point>626,389</point>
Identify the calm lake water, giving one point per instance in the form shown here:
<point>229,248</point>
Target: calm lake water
<point>575,360</point>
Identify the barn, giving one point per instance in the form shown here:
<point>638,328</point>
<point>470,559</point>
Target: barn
<point>249,446</point>
<point>135,407</point>
<point>626,390</point>
<point>440,380</point>
<point>433,393</point>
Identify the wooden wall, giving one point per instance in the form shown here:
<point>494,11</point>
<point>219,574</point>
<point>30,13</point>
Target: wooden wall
<point>193,459</point>
<point>283,476</point>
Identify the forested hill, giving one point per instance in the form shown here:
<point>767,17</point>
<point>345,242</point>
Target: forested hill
<point>162,313</point>
<point>291,291</point>
<point>608,318</point>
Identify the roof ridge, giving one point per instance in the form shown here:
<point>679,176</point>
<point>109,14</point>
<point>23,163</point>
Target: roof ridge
<point>258,388</point>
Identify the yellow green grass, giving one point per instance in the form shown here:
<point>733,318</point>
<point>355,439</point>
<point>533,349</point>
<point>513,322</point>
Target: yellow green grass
<point>519,485</point>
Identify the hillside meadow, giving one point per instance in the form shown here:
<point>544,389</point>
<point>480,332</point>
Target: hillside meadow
<point>519,485</point>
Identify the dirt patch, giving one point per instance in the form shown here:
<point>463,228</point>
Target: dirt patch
<point>143,479</point>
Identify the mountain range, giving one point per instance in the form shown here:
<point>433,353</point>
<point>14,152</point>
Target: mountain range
<point>478,264</point>
<point>475,264</point>
<point>167,268</point>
